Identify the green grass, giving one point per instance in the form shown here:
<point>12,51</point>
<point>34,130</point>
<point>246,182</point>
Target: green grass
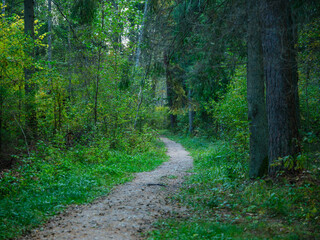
<point>44,184</point>
<point>225,204</point>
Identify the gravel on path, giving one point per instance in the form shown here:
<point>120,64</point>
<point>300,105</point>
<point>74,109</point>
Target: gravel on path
<point>129,209</point>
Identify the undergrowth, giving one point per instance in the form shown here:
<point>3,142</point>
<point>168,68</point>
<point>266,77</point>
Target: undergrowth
<point>43,184</point>
<point>225,204</point>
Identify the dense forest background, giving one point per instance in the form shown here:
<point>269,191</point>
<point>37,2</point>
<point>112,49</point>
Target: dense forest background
<point>86,77</point>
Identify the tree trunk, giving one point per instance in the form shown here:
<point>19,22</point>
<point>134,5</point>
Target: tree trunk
<point>50,55</point>
<point>257,114</point>
<point>170,91</point>
<point>138,53</point>
<point>137,63</point>
<point>31,121</point>
<point>293,38</point>
<point>117,35</point>
<point>50,35</point>
<point>140,95</point>
<point>70,70</point>
<point>278,49</point>
<point>307,99</point>
<point>99,69</point>
<point>97,89</point>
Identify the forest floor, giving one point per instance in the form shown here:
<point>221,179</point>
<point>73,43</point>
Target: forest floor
<point>130,209</point>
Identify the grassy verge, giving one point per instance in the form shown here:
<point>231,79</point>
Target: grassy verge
<point>225,204</point>
<point>52,178</point>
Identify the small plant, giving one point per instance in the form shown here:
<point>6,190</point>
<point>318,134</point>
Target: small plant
<point>290,163</point>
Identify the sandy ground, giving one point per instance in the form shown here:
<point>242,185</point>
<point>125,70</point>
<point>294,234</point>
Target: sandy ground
<point>130,209</point>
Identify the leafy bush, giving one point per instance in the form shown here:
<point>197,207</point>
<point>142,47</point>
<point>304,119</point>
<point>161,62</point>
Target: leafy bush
<point>309,91</point>
<point>231,113</point>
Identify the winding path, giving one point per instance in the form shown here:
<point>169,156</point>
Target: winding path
<point>129,210</point>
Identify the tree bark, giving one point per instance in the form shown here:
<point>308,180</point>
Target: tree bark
<point>49,35</point>
<point>137,63</point>
<point>257,114</point>
<point>140,95</point>
<point>307,98</point>
<point>99,70</point>
<point>138,53</point>
<point>280,70</point>
<point>293,38</point>
<point>117,35</point>
<point>170,91</point>
<point>29,17</point>
<point>70,63</point>
<point>31,121</point>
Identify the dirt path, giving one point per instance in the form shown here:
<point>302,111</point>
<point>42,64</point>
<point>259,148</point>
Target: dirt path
<point>129,209</point>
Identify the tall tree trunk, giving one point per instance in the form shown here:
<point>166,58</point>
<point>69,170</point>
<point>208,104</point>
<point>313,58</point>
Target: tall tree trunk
<point>293,38</point>
<point>140,96</point>
<point>138,53</point>
<point>256,95</point>
<point>99,69</point>
<point>50,56</point>
<point>117,35</point>
<point>170,91</point>
<point>307,98</point>
<point>31,121</point>
<point>137,63</point>
<point>278,49</point>
<point>50,35</point>
<point>70,70</point>
<point>97,89</point>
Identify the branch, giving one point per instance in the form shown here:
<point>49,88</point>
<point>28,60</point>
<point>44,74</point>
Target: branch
<point>65,17</point>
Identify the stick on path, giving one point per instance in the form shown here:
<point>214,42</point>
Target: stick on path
<point>129,209</point>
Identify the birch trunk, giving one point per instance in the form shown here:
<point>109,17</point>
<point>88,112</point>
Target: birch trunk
<point>137,63</point>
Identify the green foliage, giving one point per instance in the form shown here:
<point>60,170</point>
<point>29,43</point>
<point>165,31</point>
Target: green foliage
<point>230,113</point>
<point>195,230</point>
<point>203,58</point>
<point>224,204</point>
<point>84,10</point>
<point>81,94</point>
<point>13,61</point>
<point>159,117</point>
<point>290,163</point>
<point>309,40</point>
<point>43,184</point>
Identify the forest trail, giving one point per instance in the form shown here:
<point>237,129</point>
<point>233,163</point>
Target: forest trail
<point>129,209</point>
